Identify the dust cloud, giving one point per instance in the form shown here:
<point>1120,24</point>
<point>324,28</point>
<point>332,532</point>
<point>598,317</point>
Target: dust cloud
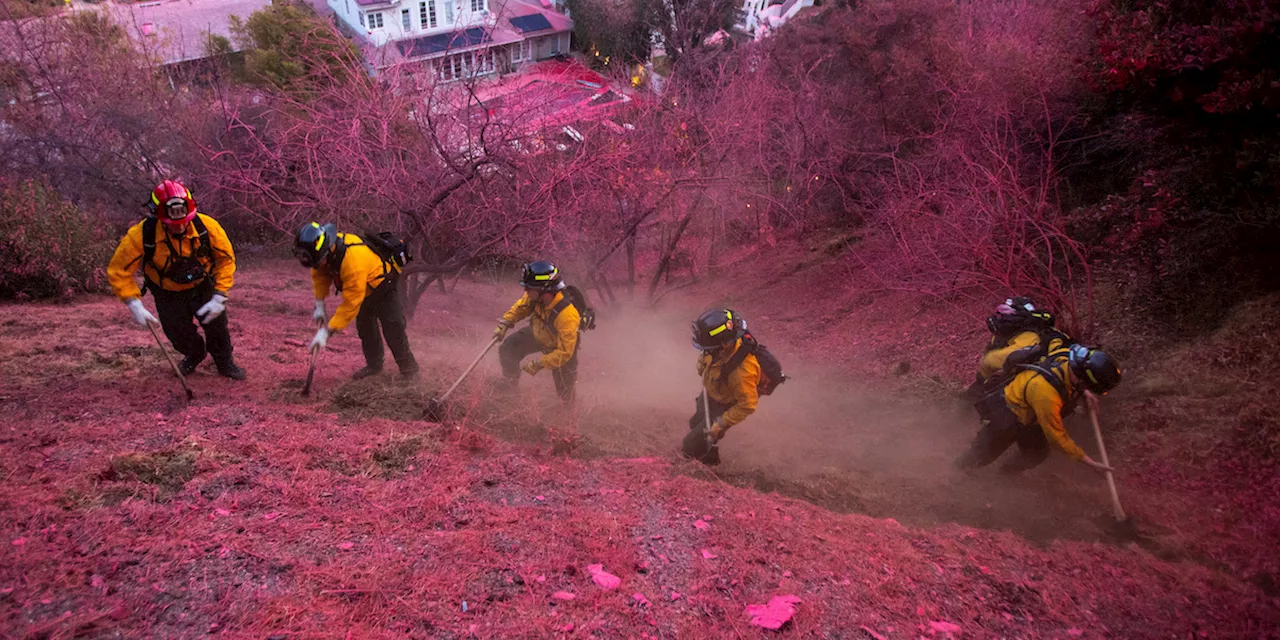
<point>822,437</point>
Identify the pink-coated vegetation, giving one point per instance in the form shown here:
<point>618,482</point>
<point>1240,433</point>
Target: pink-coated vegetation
<point>862,185</point>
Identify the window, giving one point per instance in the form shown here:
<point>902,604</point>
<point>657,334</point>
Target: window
<point>427,14</point>
<point>448,11</point>
<point>375,20</point>
<point>362,18</point>
<point>477,6</point>
<point>406,21</point>
<point>522,50</point>
<point>449,68</point>
<point>484,62</point>
<point>465,65</point>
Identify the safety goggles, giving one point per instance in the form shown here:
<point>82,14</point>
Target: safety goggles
<point>307,258</point>
<point>175,209</point>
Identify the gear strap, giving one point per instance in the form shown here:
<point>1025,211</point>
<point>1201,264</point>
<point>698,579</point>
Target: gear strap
<point>1068,400</point>
<point>149,247</point>
<point>339,253</point>
<point>748,347</point>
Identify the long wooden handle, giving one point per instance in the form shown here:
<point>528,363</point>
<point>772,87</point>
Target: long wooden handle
<point>311,372</point>
<point>706,414</point>
<point>1102,451</point>
<point>470,368</point>
<point>176,370</point>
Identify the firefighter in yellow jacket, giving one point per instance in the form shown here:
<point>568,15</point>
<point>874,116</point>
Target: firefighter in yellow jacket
<point>367,284</point>
<point>553,330</point>
<point>729,384</point>
<point>188,265</point>
<point>1029,409</point>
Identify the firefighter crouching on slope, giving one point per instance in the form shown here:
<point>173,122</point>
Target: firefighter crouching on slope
<point>553,328</point>
<point>188,264</point>
<point>1017,326</point>
<point>367,285</point>
<point>731,395</point>
<point>1028,410</point>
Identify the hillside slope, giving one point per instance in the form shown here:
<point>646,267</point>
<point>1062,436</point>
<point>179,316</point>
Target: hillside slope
<point>252,512</point>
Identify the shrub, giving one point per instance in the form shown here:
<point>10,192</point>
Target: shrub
<point>48,247</point>
<point>1190,119</point>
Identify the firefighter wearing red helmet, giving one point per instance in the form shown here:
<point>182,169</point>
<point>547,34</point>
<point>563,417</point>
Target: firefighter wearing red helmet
<point>187,263</point>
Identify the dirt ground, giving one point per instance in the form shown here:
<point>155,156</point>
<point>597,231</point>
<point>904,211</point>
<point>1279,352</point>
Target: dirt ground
<point>253,512</point>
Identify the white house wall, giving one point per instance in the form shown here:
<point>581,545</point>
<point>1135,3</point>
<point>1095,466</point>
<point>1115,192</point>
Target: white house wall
<point>759,19</point>
<point>547,46</point>
<point>458,14</point>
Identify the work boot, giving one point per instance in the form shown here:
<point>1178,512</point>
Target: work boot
<point>361,374</point>
<point>231,370</point>
<point>697,446</point>
<point>411,374</point>
<point>712,457</point>
<point>189,364</point>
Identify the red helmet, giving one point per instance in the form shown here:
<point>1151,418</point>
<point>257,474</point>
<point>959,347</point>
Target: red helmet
<point>172,203</point>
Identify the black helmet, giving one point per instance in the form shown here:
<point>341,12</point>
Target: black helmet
<point>1018,314</point>
<point>314,243</point>
<point>1096,370</point>
<point>542,276</point>
<point>717,328</point>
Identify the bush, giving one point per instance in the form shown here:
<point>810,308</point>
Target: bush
<point>48,247</point>
<point>1190,120</point>
<point>23,9</point>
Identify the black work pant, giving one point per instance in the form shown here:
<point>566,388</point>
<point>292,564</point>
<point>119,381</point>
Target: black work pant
<point>177,314</point>
<point>382,306</point>
<point>521,344</point>
<point>695,444</point>
<point>1001,430</point>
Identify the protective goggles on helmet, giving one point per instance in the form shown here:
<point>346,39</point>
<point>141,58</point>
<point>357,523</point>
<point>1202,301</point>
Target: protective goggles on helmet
<point>175,209</point>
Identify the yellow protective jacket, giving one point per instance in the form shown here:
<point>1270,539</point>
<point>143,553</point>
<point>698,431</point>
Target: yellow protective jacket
<point>1035,402</point>
<point>993,360</point>
<point>737,389</point>
<point>361,271</point>
<point>127,260</point>
<point>558,336</point>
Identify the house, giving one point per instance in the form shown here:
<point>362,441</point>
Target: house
<point>178,31</point>
<point>760,17</point>
<point>455,39</point>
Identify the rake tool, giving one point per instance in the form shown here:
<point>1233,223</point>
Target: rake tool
<point>1123,526</point>
<point>311,372</point>
<point>435,406</point>
<point>699,445</point>
<point>181,378</point>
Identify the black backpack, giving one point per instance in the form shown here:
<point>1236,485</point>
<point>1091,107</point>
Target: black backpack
<point>389,247</point>
<point>771,374</point>
<point>574,296</point>
<point>205,249</point>
<point>993,396</point>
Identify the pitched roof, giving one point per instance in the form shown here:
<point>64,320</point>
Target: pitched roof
<point>179,30</point>
<point>530,23</point>
<point>428,45</point>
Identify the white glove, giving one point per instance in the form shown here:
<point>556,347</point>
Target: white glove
<point>212,309</point>
<point>321,339</point>
<point>140,313</point>
<point>318,316</point>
